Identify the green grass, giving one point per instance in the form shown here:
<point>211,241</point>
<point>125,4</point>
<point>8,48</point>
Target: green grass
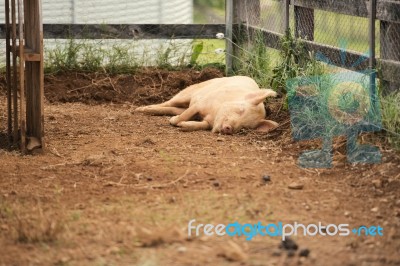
<point>78,55</point>
<point>391,118</point>
<point>255,60</point>
<point>209,54</point>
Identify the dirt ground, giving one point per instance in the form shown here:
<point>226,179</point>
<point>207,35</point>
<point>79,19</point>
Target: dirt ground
<point>118,188</point>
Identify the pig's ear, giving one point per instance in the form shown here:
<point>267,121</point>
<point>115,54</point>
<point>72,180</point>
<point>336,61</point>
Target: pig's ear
<point>258,97</point>
<point>266,126</point>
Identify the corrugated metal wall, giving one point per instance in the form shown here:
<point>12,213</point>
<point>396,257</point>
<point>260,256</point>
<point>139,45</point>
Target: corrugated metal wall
<point>116,11</point>
<point>113,12</point>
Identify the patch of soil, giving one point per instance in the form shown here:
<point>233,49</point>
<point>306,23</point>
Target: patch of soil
<point>115,187</point>
<point>144,87</point>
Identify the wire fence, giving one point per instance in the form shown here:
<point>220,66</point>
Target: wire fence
<point>342,24</point>
<point>341,40</point>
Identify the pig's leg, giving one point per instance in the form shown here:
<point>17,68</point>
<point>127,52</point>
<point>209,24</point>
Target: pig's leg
<point>194,125</point>
<point>185,116</point>
<point>175,106</point>
<point>160,110</point>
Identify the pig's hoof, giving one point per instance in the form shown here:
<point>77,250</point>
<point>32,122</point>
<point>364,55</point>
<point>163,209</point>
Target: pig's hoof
<point>141,109</point>
<point>174,120</point>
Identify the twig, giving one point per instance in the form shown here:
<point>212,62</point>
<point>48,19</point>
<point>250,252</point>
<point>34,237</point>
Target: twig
<point>112,183</point>
<point>284,123</point>
<point>90,85</point>
<point>172,182</point>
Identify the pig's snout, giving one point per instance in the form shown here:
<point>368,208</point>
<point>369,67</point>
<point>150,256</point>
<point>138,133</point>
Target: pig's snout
<point>227,129</point>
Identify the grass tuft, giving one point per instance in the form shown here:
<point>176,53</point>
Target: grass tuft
<point>391,118</point>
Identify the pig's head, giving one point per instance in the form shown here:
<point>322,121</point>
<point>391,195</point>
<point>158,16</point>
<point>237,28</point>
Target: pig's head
<point>247,113</point>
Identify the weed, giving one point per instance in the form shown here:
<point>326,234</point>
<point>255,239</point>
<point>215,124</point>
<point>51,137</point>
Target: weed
<point>295,62</point>
<point>64,58</point>
<point>255,61</point>
<point>34,225</point>
<point>391,118</point>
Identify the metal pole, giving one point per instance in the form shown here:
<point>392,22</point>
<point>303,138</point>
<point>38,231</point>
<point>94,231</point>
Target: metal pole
<point>228,36</point>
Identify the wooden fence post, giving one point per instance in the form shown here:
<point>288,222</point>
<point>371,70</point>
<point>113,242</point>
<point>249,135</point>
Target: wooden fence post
<point>390,48</point>
<point>238,13</point>
<point>286,17</point>
<point>304,23</point>
<point>34,73</point>
<point>8,72</point>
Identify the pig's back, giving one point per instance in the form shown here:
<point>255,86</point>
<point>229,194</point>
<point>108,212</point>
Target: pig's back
<point>226,89</point>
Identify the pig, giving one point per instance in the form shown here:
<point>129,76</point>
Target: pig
<point>222,105</point>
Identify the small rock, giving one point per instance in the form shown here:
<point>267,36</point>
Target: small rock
<point>216,183</point>
<point>113,250</point>
<point>33,143</point>
<point>302,260</point>
<point>304,252</point>
<point>149,178</point>
<point>182,249</point>
<point>288,244</point>
<point>375,209</point>
<point>149,238</point>
<point>347,213</point>
<point>4,227</point>
<point>276,253</point>
<point>220,139</point>
<point>63,260</point>
<point>377,183</point>
<point>233,252</point>
<point>295,185</point>
<point>172,199</point>
<point>266,178</point>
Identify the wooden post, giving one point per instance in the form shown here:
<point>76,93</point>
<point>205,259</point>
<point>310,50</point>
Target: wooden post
<point>21,72</point>
<point>8,71</point>
<point>286,17</point>
<point>238,13</point>
<point>390,48</point>
<point>25,74</point>
<point>33,57</point>
<point>304,23</point>
<point>14,84</point>
<point>371,63</point>
<point>228,36</point>
<point>247,12</point>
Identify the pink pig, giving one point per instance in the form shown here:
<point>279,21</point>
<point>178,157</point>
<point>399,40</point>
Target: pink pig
<point>223,105</point>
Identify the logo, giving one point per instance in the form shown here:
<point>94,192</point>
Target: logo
<point>279,229</point>
<point>329,105</point>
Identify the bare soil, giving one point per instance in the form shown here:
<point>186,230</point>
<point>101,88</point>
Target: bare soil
<point>118,188</point>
